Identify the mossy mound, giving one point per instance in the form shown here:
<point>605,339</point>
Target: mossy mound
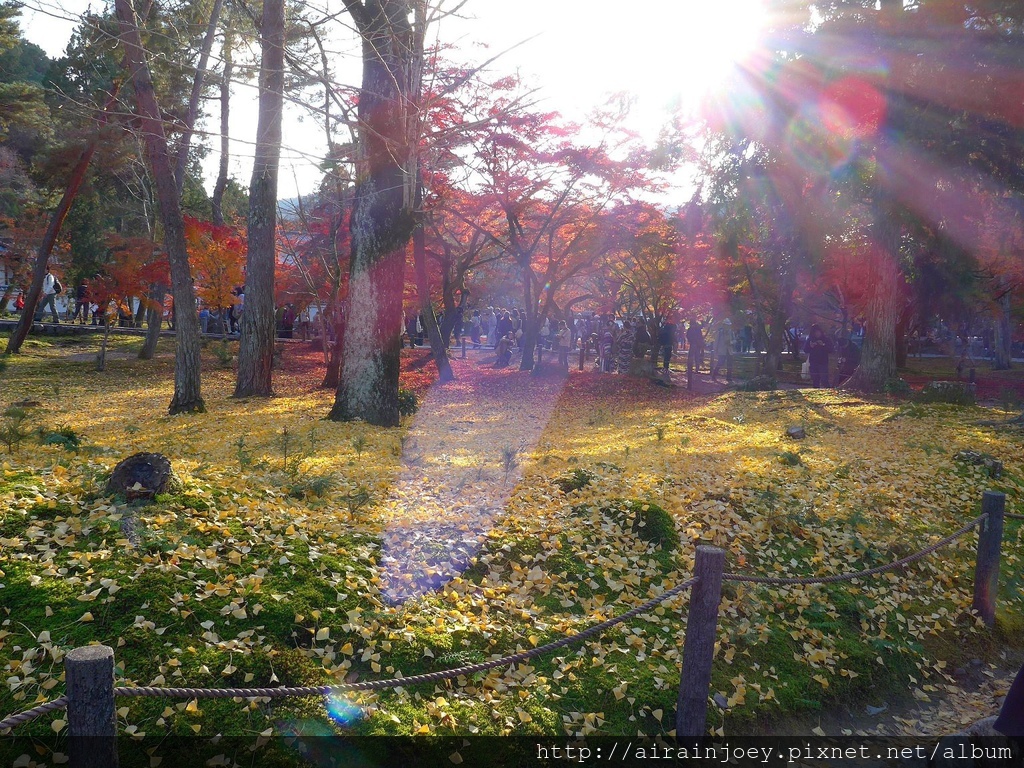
<point>649,521</point>
<point>575,480</point>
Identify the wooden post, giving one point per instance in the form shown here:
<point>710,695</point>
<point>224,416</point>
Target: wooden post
<point>699,644</point>
<point>986,569</point>
<point>463,347</point>
<point>92,721</point>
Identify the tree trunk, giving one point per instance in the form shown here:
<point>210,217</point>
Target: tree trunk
<point>1003,341</point>
<point>900,341</point>
<point>217,201</point>
<point>75,181</point>
<point>101,358</point>
<point>776,345</point>
<point>530,327</point>
<point>154,321</point>
<point>333,376</point>
<point>181,163</point>
<point>382,222</point>
<point>878,358</point>
<point>437,345</point>
<point>187,382</point>
<point>256,334</point>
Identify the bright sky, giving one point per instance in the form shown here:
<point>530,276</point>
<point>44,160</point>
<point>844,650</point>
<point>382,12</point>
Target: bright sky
<point>577,52</point>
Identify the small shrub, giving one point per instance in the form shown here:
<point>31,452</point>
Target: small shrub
<point>951,392</point>
<point>575,480</point>
<point>242,453</point>
<point>897,388</point>
<point>659,432</point>
<point>223,354</point>
<point>790,459</point>
<point>13,431</point>
<point>285,442</point>
<point>1008,399</point>
<point>63,436</point>
<point>359,444</point>
<point>992,465</point>
<point>314,485</point>
<point>408,403</point>
<point>509,459</point>
<point>759,384</point>
<point>357,499</point>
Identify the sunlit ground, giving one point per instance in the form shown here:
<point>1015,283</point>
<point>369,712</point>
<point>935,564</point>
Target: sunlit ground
<point>303,551</point>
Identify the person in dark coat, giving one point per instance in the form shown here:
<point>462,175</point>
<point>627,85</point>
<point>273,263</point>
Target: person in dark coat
<point>666,341</point>
<point>818,347</point>
<point>1011,717</point>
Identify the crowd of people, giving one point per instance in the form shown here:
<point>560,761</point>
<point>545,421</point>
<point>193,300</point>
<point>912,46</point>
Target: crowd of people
<point>635,344</point>
<point>631,344</point>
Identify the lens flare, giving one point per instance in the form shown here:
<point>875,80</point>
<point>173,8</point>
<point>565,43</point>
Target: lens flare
<point>820,137</point>
<point>343,711</point>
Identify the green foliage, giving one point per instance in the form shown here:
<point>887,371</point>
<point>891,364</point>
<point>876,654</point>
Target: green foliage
<point>223,354</point>
<point>790,459</point>
<point>284,442</point>
<point>509,459</point>
<point>951,392</point>
<point>359,444</point>
<point>897,388</point>
<point>357,499</point>
<point>242,453</point>
<point>759,384</point>
<point>659,432</point>
<point>13,430</point>
<point>63,436</point>
<point>408,403</point>
<point>649,521</point>
<point>313,486</point>
<point>575,480</point>
<point>1007,399</point>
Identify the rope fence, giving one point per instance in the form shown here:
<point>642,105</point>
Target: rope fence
<point>865,573</point>
<point>428,677</point>
<point>91,668</point>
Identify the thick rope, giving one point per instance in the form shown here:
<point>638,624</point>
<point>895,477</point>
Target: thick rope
<point>31,714</point>
<point>429,677</point>
<point>859,574</point>
<point>1013,516</point>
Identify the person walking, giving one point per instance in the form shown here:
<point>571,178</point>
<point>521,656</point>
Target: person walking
<point>81,303</point>
<point>724,340</point>
<point>818,347</point>
<point>51,287</point>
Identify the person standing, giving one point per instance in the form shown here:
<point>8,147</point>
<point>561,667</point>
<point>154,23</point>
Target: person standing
<point>724,340</point>
<point>818,347</point>
<point>51,287</point>
<point>624,353</point>
<point>475,326</point>
<point>695,338</point>
<point>666,341</point>
<point>562,338</point>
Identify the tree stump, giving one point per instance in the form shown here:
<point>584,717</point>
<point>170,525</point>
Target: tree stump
<point>143,476</point>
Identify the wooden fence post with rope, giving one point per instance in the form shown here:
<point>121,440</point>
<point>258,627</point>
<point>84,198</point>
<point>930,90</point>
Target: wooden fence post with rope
<point>92,718</point>
<point>699,644</point>
<point>986,569</point>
